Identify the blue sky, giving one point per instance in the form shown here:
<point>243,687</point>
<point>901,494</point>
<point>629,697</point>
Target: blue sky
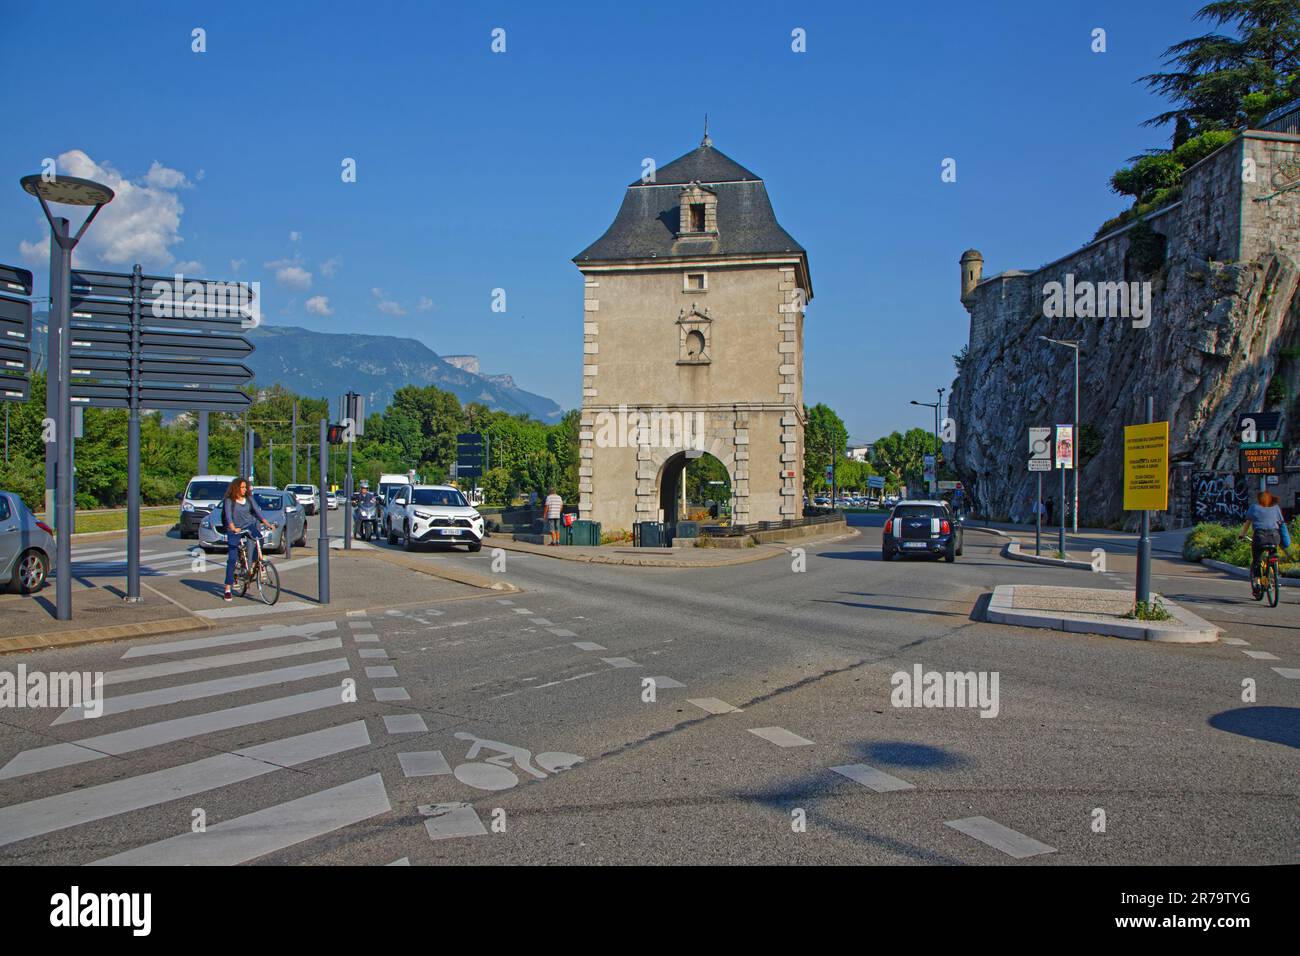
<point>478,171</point>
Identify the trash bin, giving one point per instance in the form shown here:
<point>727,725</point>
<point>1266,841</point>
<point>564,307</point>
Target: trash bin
<point>584,533</point>
<point>687,529</point>
<point>649,534</point>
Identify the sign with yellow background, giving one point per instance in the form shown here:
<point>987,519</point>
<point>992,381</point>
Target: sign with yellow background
<point>1146,467</point>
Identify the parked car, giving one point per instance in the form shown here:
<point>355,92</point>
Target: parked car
<point>922,527</point>
<point>279,507</point>
<point>434,514</point>
<point>333,500</point>
<point>389,491</point>
<point>201,496</point>
<point>307,495</point>
<point>26,545</point>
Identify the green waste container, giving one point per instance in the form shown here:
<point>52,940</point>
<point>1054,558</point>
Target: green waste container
<point>584,533</point>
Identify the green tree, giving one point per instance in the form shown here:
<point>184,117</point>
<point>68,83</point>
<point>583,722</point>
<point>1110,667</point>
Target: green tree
<point>824,435</point>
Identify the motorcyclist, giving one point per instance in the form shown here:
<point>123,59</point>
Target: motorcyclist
<point>366,510</point>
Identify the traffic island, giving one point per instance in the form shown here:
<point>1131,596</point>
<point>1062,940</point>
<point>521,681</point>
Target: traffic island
<point>1094,611</point>
<point>1014,551</point>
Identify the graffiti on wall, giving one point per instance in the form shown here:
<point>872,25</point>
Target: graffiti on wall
<point>1220,496</point>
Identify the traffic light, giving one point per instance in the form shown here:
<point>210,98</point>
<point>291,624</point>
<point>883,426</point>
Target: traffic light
<point>335,434</point>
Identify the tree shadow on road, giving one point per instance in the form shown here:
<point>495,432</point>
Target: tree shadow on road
<point>902,753</point>
<point>1279,725</point>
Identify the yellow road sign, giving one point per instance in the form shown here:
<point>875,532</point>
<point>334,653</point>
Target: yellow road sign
<point>1146,467</point>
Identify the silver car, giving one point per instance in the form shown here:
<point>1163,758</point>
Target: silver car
<point>279,507</point>
<point>26,546</point>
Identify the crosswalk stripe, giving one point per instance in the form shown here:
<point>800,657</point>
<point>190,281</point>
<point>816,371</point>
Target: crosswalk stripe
<point>873,779</point>
<point>780,736</point>
<point>265,831</point>
<point>267,633</point>
<point>165,732</point>
<point>448,820</point>
<point>1291,673</point>
<point>714,706</point>
<point>1262,655</point>
<point>25,820</point>
<point>209,688</point>
<point>1009,841</point>
<point>168,668</point>
<point>252,610</point>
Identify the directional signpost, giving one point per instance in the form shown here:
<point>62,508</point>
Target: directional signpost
<point>1040,460</point>
<point>473,453</point>
<point>15,334</point>
<point>140,341</point>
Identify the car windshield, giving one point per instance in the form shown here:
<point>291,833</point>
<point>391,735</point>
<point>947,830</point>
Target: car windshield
<point>446,497</point>
<point>918,511</point>
<point>206,490</point>
<point>299,489</point>
<point>269,502</point>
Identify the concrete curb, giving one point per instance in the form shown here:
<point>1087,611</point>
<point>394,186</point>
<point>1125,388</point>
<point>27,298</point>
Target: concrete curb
<point>996,531</point>
<point>1244,573</point>
<point>1187,628</point>
<point>1013,552</point>
<point>729,557</point>
<point>108,632</point>
<point>468,578</point>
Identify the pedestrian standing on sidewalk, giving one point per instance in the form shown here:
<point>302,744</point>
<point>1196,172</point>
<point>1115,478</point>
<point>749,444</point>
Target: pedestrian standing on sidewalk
<point>552,510</point>
<point>1051,508</point>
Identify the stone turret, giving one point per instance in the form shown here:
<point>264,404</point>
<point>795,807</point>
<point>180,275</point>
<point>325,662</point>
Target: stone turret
<point>972,270</point>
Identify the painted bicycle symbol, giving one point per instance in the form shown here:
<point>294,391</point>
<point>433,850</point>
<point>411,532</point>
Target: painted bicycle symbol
<point>495,772</point>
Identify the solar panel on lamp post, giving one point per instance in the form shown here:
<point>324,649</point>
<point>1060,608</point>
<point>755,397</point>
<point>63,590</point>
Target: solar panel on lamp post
<point>69,191</point>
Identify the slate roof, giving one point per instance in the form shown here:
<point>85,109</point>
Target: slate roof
<point>647,222</point>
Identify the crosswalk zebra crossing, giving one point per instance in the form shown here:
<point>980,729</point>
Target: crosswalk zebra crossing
<point>293,688</point>
<point>89,564</point>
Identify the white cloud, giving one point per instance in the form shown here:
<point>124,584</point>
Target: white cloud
<point>289,272</point>
<point>319,305</point>
<point>35,253</point>
<point>189,267</point>
<point>141,224</point>
<point>295,236</point>
<point>389,307</point>
<point>330,266</point>
<point>425,304</point>
<point>237,264</point>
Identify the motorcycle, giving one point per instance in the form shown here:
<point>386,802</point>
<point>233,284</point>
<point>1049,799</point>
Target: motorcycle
<point>366,520</point>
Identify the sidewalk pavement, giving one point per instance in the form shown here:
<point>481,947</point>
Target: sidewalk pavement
<point>1094,611</point>
<point>181,596</point>
<point>666,557</point>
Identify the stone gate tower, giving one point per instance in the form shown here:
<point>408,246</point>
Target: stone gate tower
<point>692,317</point>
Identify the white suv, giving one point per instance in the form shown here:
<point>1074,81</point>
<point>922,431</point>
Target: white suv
<point>308,496</point>
<point>429,514</point>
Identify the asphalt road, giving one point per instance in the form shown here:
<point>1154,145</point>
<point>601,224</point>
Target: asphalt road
<point>253,733</point>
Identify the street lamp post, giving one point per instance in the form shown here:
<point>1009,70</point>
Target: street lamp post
<point>1074,446</point>
<point>934,482</point>
<point>70,191</point>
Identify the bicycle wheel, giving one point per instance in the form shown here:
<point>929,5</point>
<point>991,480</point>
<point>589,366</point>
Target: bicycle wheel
<point>242,575</point>
<point>268,583</point>
<point>1274,589</point>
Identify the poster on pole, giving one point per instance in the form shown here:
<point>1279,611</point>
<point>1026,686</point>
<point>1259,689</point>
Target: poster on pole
<point>1064,446</point>
<point>1146,467</point>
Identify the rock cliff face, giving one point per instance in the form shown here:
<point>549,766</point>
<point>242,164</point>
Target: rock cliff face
<point>1220,340</point>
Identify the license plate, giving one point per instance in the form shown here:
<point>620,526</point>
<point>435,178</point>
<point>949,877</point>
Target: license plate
<point>914,544</point>
<point>448,531</point>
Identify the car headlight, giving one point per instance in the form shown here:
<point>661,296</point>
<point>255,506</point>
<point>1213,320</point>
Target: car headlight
<point>423,515</point>
<point>187,506</point>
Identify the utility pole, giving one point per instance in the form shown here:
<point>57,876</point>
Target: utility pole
<point>203,443</point>
<point>1144,537</point>
<point>323,535</point>
<point>293,469</point>
<point>270,466</point>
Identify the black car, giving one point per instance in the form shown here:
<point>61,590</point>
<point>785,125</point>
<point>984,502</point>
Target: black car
<point>922,527</point>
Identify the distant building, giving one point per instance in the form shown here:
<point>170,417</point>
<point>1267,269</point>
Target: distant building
<point>861,452</point>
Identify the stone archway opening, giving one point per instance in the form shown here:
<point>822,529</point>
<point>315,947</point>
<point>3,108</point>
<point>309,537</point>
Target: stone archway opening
<point>694,485</point>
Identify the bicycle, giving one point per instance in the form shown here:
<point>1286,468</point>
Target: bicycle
<point>258,569</point>
<point>1267,584</point>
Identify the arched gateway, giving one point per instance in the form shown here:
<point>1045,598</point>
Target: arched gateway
<point>692,342</point>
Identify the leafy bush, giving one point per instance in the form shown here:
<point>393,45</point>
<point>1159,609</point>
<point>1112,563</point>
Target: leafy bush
<point>1223,543</point>
<point>616,536</point>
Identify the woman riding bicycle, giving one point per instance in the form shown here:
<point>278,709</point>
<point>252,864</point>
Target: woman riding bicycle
<point>239,513</point>
<point>1264,521</point>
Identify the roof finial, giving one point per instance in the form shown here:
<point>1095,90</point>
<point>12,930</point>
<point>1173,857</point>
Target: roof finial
<point>706,141</point>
